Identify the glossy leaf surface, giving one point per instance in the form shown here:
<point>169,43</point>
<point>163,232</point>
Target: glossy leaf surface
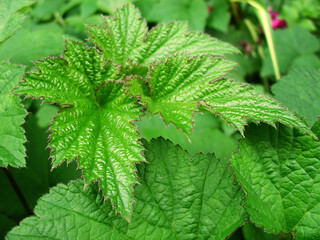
<point>95,122</point>
<point>178,85</point>
<point>12,114</point>
<point>175,86</point>
<point>125,37</point>
<point>239,104</point>
<point>180,197</point>
<point>279,170</point>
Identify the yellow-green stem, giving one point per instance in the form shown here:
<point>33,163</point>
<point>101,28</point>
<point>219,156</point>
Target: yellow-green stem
<point>266,25</point>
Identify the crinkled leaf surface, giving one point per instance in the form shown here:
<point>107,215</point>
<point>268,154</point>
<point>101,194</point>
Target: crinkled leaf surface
<point>176,86</point>
<point>316,128</point>
<point>125,37</point>
<point>279,170</point>
<point>239,104</point>
<point>10,17</point>
<point>300,91</point>
<point>180,197</point>
<point>12,114</point>
<point>95,122</point>
<point>33,180</point>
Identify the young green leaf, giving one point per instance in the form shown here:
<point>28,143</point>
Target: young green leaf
<point>176,86</point>
<point>300,91</point>
<point>279,170</point>
<point>180,197</point>
<point>95,122</point>
<point>12,114</point>
<point>10,18</point>
<point>125,38</point>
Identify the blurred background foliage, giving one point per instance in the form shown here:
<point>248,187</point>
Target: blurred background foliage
<point>295,35</point>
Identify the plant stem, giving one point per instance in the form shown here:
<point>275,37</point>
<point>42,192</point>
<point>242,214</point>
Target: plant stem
<point>17,190</point>
<point>255,38</point>
<point>266,25</point>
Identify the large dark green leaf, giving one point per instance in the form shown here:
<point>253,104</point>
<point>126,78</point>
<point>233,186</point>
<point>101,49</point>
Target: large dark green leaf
<point>300,91</point>
<point>180,197</point>
<point>279,170</point>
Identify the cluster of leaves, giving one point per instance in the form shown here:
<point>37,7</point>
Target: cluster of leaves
<point>129,74</point>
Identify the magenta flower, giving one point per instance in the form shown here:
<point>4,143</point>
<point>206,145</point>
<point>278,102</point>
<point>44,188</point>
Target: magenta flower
<point>276,22</point>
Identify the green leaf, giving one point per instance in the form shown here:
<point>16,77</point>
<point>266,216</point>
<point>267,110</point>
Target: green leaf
<point>110,6</point>
<point>11,18</point>
<point>279,170</point>
<point>121,35</point>
<point>124,37</point>
<point>34,42</point>
<point>180,197</point>
<point>301,12</point>
<point>239,104</point>
<point>146,7</point>
<point>95,122</point>
<point>12,114</point>
<point>35,179</point>
<point>176,85</point>
<point>220,15</point>
<point>316,127</point>
<point>87,7</point>
<point>193,11</point>
<point>44,10</point>
<point>300,91</point>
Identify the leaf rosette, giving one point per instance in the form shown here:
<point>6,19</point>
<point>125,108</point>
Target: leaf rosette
<point>170,70</point>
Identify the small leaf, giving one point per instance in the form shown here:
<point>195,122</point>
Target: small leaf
<point>95,122</point>
<point>279,170</point>
<point>10,18</point>
<point>12,114</point>
<point>124,37</point>
<point>300,91</point>
<point>180,197</point>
